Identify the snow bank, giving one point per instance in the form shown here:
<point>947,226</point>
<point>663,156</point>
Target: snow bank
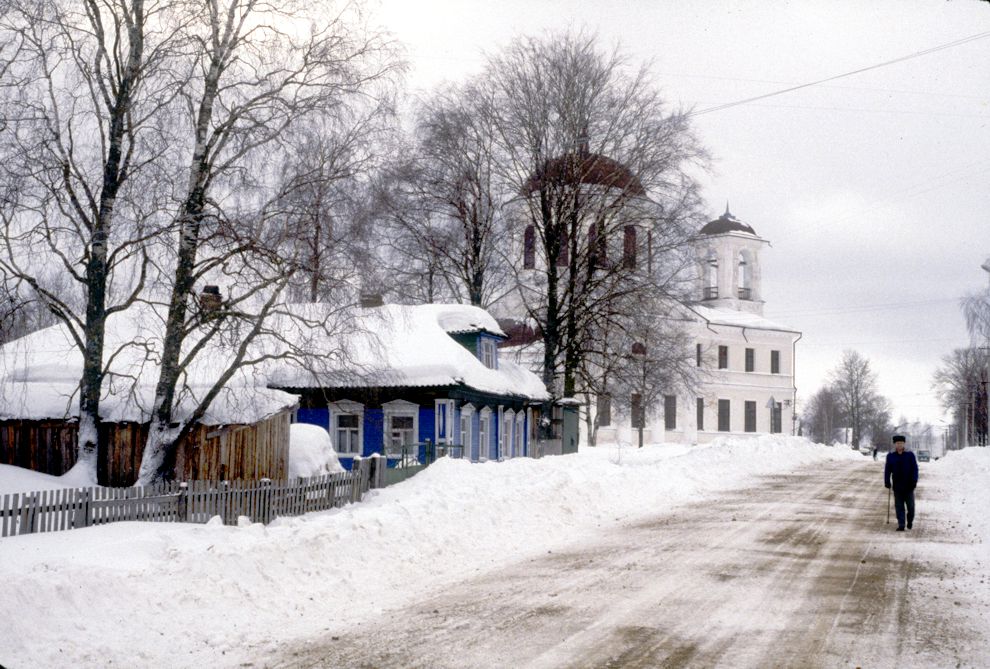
<point>151,595</point>
<point>310,452</point>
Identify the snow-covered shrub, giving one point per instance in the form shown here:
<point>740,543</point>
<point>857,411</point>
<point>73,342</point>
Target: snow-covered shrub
<point>310,452</point>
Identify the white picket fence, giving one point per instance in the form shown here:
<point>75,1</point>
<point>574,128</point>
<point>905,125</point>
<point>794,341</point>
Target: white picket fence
<point>190,502</point>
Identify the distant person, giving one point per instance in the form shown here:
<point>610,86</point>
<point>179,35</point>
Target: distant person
<point>875,449</point>
<point>901,474</point>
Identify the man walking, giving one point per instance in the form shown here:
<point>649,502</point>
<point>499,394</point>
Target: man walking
<point>901,474</point>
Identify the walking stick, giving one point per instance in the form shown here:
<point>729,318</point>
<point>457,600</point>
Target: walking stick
<point>888,506</point>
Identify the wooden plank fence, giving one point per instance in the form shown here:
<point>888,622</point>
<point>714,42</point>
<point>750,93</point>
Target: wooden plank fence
<point>193,502</point>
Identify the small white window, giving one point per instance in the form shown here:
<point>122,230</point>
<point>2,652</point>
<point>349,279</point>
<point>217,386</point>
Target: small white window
<point>488,353</point>
<point>484,430</point>
<point>347,419</point>
<point>467,411</point>
<point>401,426</point>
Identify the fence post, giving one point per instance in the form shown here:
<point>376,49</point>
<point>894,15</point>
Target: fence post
<point>357,483</point>
<point>265,506</point>
<point>182,504</point>
<point>81,518</point>
<point>27,515</point>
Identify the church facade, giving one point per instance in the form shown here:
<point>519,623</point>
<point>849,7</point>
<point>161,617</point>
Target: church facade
<point>745,361</point>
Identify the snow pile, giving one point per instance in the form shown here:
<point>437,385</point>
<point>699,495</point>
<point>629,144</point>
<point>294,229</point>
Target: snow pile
<point>310,452</point>
<point>153,594</point>
<point>966,475</point>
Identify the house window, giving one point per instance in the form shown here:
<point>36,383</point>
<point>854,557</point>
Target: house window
<point>467,411</point>
<point>488,353</point>
<point>604,410</point>
<point>775,419</point>
<point>700,417</point>
<point>520,434</point>
<point>529,247</point>
<point>346,419</point>
<point>629,247</point>
<point>697,355</point>
<point>723,357</point>
<point>484,432</point>
<point>750,425</point>
<point>348,434</point>
<point>775,362</point>
<point>505,434</point>
<point>670,412</point>
<point>750,360</point>
<point>401,426</point>
<point>443,422</point>
<point>723,415</point>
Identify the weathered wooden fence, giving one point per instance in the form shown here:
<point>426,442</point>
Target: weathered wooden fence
<point>192,502</point>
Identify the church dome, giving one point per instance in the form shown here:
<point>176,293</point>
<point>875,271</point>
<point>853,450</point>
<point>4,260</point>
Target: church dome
<point>586,168</point>
<point>726,223</point>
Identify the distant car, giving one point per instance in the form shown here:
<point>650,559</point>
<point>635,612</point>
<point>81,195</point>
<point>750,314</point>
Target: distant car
<point>924,456</point>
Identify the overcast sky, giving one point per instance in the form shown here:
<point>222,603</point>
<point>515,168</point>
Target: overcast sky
<point>872,189</point>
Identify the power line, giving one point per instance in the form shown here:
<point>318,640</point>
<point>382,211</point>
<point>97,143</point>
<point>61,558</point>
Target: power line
<point>916,54</point>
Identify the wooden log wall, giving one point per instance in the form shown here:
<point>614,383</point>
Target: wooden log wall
<point>230,452</point>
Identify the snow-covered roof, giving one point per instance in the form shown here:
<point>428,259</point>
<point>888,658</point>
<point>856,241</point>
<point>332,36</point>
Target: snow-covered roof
<point>408,345</point>
<point>39,377</point>
<point>742,319</point>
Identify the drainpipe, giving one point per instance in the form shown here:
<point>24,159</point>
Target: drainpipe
<point>794,384</point>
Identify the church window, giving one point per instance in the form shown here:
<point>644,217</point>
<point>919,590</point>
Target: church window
<point>711,276</point>
<point>723,415</point>
<point>750,417</point>
<point>562,254</point>
<point>629,247</point>
<point>750,360</point>
<point>745,276</point>
<point>529,247</point>
<point>700,418</point>
<point>670,412</point>
<point>604,410</point>
<point>723,357</point>
<point>775,362</point>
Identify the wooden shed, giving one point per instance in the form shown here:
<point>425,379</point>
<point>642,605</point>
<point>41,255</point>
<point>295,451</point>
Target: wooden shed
<point>210,452</point>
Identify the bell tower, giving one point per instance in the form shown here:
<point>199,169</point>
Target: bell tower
<point>728,253</point>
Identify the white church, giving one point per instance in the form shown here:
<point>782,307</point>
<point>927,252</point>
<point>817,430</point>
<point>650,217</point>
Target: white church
<point>747,361</point>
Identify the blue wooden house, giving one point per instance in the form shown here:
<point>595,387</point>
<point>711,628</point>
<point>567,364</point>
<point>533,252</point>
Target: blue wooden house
<point>407,378</point>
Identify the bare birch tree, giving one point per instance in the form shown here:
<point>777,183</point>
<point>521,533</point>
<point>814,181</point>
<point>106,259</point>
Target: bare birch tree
<point>80,101</point>
<point>260,69</point>
<point>855,385</point>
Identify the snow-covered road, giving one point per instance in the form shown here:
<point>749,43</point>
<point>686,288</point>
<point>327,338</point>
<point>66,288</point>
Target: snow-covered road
<point>799,569</point>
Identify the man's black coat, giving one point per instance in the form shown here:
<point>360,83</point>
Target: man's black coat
<point>901,471</point>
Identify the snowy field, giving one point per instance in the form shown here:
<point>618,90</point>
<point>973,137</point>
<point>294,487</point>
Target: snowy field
<point>157,595</point>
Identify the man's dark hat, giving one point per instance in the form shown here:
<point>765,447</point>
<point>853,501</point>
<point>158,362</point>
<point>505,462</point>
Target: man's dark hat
<point>899,437</point>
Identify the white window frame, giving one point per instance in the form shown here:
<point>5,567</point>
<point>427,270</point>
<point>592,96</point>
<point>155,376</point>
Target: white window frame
<point>508,432</point>
<point>394,409</point>
<point>443,422</point>
<point>466,412</point>
<point>489,356</point>
<point>484,434</point>
<point>520,438</point>
<point>346,408</point>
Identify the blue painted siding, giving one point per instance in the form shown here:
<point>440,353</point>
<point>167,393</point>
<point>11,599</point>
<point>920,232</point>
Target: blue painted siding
<point>319,417</point>
<point>374,430</point>
<point>427,424</point>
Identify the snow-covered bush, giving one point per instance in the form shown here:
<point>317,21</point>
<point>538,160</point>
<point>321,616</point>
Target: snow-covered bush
<point>310,452</point>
